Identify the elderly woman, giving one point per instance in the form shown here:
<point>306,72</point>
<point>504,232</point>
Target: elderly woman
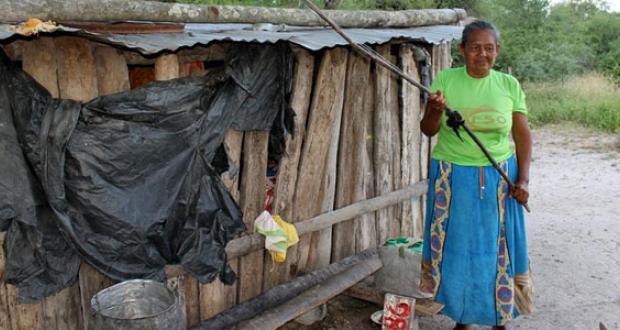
<point>475,262</point>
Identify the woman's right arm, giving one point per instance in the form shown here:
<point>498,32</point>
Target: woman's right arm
<point>432,116</point>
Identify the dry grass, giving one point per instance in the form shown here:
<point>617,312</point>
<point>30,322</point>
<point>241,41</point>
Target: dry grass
<point>591,100</point>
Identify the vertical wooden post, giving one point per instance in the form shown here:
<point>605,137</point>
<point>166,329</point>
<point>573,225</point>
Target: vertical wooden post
<point>411,139</point>
<point>253,183</point>
<point>441,59</point>
<point>424,164</point>
<point>77,76</point>
<point>192,299</point>
<point>91,281</point>
<point>437,62</point>
<point>446,59</point>
<point>77,80</point>
<point>112,72</point>
<point>5,317</point>
<point>366,231</point>
<point>40,62</point>
<point>284,192</point>
<point>233,143</point>
<point>216,297</point>
<point>387,146</point>
<point>111,77</point>
<point>24,316</point>
<point>53,64</point>
<point>316,178</point>
<point>167,67</point>
<point>355,159</point>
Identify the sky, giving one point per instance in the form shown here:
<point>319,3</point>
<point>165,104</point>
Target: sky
<point>614,5</point>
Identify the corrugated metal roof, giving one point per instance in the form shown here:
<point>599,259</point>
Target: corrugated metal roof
<point>5,31</point>
<point>309,38</point>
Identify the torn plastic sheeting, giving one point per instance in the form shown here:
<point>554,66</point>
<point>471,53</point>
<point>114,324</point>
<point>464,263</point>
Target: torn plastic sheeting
<point>38,258</point>
<point>129,176</point>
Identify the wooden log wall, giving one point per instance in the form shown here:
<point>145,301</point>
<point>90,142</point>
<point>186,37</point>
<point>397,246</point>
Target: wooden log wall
<point>253,183</point>
<point>411,139</point>
<point>216,297</point>
<point>41,64</point>
<point>355,167</point>
<point>357,136</point>
<point>316,184</point>
<point>440,59</point>
<point>386,146</point>
<point>5,320</point>
<point>286,183</point>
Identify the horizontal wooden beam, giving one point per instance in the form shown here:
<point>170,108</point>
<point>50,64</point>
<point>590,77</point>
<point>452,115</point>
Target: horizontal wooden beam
<point>243,245</point>
<point>153,11</point>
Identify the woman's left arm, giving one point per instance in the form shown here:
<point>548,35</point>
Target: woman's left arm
<point>523,142</point>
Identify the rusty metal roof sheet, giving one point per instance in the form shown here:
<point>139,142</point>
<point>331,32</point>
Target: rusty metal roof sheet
<point>311,38</point>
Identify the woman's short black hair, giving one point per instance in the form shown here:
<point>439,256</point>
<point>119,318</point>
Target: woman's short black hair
<point>479,25</point>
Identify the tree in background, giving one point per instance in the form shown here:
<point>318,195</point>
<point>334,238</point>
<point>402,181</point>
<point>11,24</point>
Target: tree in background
<point>603,35</point>
<point>539,41</point>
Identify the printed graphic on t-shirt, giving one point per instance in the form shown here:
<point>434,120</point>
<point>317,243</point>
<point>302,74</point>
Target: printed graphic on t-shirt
<point>486,119</point>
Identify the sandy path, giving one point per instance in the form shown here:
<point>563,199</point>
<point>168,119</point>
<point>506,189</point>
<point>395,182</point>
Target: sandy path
<point>574,231</point>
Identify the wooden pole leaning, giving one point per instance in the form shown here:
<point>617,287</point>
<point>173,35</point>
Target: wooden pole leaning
<point>383,62</point>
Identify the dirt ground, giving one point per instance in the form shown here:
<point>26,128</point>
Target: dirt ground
<point>574,239</point>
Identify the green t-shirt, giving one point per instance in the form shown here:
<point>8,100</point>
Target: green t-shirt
<point>487,105</point>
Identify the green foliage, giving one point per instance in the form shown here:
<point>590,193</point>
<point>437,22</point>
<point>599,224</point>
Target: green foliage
<point>542,42</point>
<point>553,61</point>
<point>592,100</point>
<point>603,33</point>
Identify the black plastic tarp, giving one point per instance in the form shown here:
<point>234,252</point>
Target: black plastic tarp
<point>127,182</point>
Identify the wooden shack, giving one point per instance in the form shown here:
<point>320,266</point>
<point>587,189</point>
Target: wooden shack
<point>357,140</point>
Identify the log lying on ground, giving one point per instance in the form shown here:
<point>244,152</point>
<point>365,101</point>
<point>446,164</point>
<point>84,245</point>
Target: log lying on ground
<point>368,262</point>
<point>119,10</point>
<point>314,297</point>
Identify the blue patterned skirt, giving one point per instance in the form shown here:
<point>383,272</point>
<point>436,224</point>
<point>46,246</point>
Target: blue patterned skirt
<point>475,257</point>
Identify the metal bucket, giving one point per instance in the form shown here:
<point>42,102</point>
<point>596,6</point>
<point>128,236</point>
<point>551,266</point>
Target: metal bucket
<point>137,305</point>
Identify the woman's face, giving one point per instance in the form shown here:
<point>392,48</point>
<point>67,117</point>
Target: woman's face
<point>480,52</point>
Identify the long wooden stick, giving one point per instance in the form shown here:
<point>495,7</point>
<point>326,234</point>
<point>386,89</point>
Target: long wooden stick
<point>285,292</point>
<point>383,62</point>
<point>243,245</point>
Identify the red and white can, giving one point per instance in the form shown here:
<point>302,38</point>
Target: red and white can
<point>399,313</point>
